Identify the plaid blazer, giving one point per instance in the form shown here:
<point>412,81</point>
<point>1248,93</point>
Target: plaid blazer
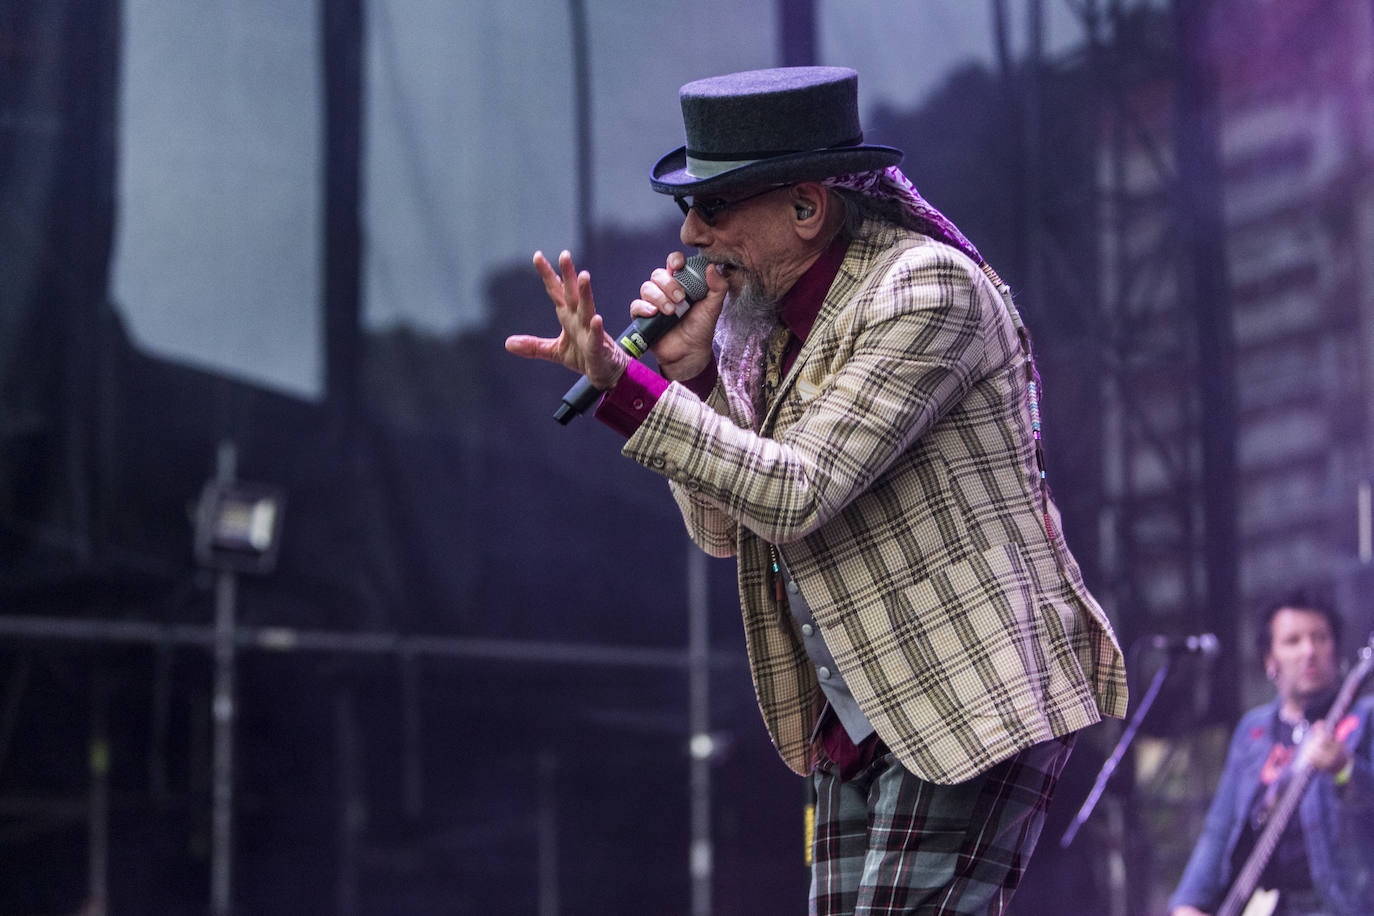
<point>895,470</point>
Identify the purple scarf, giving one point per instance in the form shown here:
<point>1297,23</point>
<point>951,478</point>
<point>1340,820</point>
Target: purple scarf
<point>891,184</point>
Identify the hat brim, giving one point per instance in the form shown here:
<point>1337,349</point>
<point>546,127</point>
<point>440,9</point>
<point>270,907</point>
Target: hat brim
<point>670,175</point>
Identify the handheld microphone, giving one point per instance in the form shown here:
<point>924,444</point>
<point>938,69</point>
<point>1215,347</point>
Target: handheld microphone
<point>640,335</point>
<point>1205,644</point>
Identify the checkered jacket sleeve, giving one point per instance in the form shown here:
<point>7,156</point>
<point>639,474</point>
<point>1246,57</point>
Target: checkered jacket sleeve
<point>896,471</point>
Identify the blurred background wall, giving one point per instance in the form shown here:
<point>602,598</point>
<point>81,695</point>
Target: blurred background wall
<point>267,250</point>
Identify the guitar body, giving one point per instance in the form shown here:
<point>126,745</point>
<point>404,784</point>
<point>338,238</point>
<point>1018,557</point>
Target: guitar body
<point>1262,903</point>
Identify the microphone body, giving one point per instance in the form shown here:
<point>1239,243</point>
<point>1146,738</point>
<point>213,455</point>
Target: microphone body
<point>639,336</point>
<point>1203,644</point>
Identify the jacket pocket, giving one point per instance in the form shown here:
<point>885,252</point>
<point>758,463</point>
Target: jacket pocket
<point>960,645</point>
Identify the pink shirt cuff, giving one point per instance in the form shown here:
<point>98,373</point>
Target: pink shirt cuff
<point>625,406</point>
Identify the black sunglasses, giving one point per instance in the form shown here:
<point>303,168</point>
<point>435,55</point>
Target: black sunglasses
<point>708,210</point>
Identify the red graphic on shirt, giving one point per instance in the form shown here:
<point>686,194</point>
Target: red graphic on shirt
<point>1345,727</point>
<point>1278,758</point>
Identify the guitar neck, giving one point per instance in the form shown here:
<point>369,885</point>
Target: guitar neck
<point>1248,878</point>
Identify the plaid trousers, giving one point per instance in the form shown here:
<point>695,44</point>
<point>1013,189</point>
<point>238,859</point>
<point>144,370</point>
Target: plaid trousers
<point>887,842</point>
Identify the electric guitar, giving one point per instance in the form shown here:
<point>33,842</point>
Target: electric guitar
<point>1243,899</point>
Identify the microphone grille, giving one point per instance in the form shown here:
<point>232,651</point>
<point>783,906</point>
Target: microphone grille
<point>692,276</point>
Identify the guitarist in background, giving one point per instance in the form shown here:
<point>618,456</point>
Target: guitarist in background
<point>1324,861</point>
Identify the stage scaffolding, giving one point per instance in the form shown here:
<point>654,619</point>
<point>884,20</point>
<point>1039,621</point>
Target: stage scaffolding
<point>1232,262</point>
<point>224,640</point>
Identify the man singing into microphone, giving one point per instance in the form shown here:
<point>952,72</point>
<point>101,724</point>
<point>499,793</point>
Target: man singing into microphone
<point>851,411</point>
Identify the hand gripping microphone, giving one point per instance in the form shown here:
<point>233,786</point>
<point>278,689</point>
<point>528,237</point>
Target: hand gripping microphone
<point>640,335</point>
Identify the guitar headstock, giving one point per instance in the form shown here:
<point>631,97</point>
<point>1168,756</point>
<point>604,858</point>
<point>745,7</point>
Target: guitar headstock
<point>1363,668</point>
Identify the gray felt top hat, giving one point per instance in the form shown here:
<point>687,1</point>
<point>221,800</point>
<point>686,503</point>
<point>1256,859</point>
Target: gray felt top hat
<point>765,126</point>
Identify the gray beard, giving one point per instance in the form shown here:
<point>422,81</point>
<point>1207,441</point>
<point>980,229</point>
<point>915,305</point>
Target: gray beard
<point>741,340</point>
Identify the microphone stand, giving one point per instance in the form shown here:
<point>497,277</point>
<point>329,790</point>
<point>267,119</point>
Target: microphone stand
<point>1111,763</point>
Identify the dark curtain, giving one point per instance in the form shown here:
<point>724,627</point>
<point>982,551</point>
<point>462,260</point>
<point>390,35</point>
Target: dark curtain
<point>58,63</point>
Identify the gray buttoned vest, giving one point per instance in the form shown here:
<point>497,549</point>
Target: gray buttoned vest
<point>837,693</point>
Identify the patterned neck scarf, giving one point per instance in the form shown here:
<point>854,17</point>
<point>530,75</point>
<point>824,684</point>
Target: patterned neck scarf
<point>891,184</point>
<point>772,369</point>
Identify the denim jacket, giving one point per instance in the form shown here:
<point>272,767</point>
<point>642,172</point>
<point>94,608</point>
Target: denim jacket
<point>1337,821</point>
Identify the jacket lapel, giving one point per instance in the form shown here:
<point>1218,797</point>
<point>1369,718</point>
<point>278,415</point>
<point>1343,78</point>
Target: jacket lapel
<point>857,262</point>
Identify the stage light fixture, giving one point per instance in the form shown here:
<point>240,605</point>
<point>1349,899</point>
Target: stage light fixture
<point>238,526</point>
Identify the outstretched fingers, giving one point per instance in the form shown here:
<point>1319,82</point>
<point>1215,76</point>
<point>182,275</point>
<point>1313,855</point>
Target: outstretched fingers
<point>570,291</point>
<point>553,284</point>
<point>532,346</point>
<point>582,344</point>
<point>576,290</point>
